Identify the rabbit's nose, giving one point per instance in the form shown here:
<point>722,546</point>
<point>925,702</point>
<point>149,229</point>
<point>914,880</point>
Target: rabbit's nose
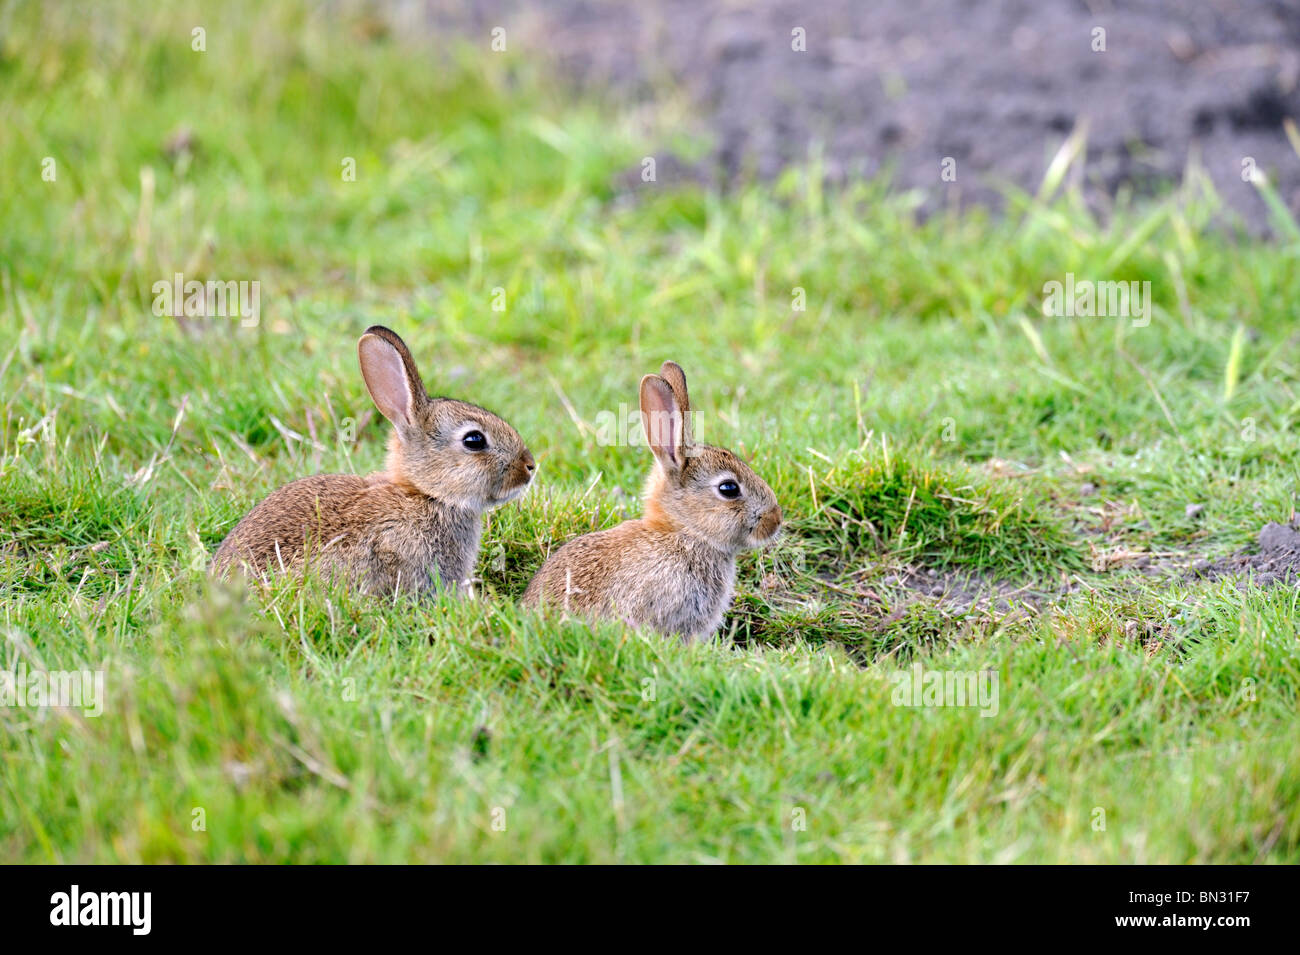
<point>768,524</point>
<point>528,461</point>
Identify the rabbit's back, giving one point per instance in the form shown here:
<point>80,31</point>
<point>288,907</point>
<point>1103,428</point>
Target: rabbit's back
<point>641,575</point>
<point>381,535</point>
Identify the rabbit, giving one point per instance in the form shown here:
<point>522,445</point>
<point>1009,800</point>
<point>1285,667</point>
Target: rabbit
<point>674,569</point>
<point>414,526</point>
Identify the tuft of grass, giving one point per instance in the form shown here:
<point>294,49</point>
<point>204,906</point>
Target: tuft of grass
<point>878,503</point>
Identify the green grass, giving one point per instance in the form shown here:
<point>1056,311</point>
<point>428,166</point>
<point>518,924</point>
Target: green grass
<point>921,412</point>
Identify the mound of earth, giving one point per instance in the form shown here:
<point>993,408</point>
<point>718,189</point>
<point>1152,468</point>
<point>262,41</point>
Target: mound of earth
<point>1276,561</point>
<point>906,84</point>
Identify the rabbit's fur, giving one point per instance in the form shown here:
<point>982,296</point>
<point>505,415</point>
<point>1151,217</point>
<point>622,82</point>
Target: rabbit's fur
<point>412,527</point>
<point>675,568</point>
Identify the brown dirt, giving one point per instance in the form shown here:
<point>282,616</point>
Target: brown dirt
<point>902,84</point>
<point>1275,560</point>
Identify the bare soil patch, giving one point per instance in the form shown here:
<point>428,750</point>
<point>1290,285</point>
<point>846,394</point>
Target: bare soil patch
<point>903,84</point>
<point>1274,560</point>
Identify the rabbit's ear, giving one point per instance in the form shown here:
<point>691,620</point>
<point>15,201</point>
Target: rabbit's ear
<point>391,375</point>
<point>662,418</point>
<point>672,373</point>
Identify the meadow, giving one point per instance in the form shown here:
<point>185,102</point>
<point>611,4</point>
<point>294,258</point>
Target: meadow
<point>931,434</point>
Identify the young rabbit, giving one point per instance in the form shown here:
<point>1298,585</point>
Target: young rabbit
<point>413,526</point>
<point>675,568</point>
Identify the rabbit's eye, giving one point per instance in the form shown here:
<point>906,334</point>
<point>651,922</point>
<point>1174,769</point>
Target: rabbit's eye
<point>474,441</point>
<point>729,489</point>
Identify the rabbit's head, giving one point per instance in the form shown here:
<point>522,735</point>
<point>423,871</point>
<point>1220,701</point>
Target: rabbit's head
<point>696,489</point>
<point>450,450</point>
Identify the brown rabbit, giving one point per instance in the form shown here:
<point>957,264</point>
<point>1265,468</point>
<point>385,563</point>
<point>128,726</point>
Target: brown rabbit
<point>414,526</point>
<point>675,568</point>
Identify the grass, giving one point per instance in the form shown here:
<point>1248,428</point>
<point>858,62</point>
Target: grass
<point>920,415</point>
